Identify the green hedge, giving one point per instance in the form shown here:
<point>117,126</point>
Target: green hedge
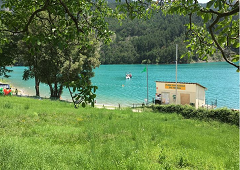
<point>222,114</point>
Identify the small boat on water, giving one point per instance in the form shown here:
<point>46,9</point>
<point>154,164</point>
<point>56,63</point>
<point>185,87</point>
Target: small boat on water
<point>128,75</point>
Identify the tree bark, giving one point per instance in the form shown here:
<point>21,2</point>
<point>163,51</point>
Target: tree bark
<point>55,91</point>
<point>37,82</point>
<point>51,90</point>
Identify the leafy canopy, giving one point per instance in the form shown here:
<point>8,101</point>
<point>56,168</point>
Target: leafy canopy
<point>220,30</point>
<point>60,23</point>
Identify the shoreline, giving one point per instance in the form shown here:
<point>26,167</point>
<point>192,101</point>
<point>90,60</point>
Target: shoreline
<point>134,91</point>
<point>21,93</point>
<point>96,105</point>
<point>13,89</point>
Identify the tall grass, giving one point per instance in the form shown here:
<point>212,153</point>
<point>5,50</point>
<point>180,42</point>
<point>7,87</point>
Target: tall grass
<point>44,134</point>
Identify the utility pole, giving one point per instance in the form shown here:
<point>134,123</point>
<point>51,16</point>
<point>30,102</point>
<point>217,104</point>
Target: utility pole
<point>176,71</point>
<point>147,83</point>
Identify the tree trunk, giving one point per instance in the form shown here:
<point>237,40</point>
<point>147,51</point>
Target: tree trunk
<point>60,91</point>
<point>51,90</point>
<point>56,91</point>
<point>37,82</point>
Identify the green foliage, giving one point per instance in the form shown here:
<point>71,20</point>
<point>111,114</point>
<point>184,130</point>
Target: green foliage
<point>225,115</point>
<point>220,28</point>
<point>1,92</point>
<point>54,135</point>
<point>219,31</point>
<point>50,34</point>
<point>8,52</point>
<point>83,93</point>
<point>136,9</point>
<point>136,41</point>
<point>4,72</point>
<point>55,66</point>
<point>221,114</point>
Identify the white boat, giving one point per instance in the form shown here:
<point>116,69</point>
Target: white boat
<point>128,75</point>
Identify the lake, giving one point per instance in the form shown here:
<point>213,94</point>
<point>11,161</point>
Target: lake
<point>220,79</point>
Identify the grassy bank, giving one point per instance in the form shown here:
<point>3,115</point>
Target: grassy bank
<point>44,134</point>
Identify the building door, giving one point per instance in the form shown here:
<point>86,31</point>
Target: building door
<point>165,98</point>
<point>185,98</point>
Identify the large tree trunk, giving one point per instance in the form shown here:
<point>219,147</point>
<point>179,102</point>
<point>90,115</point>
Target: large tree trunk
<point>60,91</point>
<point>37,82</point>
<point>51,90</point>
<point>56,91</point>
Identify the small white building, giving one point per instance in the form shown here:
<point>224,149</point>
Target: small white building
<point>187,93</point>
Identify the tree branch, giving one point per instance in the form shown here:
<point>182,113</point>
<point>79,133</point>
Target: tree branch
<point>218,45</point>
<point>35,13</point>
<point>25,29</point>
<point>225,14</point>
<point>71,15</point>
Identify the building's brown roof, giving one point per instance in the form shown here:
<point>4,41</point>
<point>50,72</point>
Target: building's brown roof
<point>182,83</point>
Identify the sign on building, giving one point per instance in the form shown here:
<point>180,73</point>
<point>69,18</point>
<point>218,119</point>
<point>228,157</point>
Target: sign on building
<point>186,93</point>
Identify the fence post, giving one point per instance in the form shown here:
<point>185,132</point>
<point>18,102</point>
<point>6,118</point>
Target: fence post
<point>207,105</point>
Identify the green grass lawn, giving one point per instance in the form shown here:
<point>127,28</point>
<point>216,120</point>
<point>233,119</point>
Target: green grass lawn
<point>44,134</point>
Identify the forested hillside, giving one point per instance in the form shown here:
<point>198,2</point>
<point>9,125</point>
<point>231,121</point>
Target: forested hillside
<point>140,41</point>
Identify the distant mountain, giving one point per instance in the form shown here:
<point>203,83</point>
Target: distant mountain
<point>152,41</point>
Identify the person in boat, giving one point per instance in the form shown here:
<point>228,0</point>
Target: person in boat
<point>128,75</point>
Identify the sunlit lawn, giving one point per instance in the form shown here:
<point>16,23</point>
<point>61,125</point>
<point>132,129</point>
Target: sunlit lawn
<point>44,134</point>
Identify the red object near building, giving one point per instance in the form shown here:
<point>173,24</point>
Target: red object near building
<point>7,91</point>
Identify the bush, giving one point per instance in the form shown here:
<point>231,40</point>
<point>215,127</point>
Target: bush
<point>203,114</point>
<point>188,111</point>
<point>222,114</point>
<point>226,115</point>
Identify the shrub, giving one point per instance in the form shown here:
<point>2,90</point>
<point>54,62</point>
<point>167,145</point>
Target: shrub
<point>234,118</point>
<point>171,108</point>
<point>226,115</point>
<point>202,114</point>
<point>188,111</point>
<point>222,114</point>
<point>178,108</point>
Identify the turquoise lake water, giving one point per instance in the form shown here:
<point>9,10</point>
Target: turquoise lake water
<point>220,79</point>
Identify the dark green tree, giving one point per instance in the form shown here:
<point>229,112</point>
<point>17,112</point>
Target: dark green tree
<point>153,39</point>
<point>77,21</point>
